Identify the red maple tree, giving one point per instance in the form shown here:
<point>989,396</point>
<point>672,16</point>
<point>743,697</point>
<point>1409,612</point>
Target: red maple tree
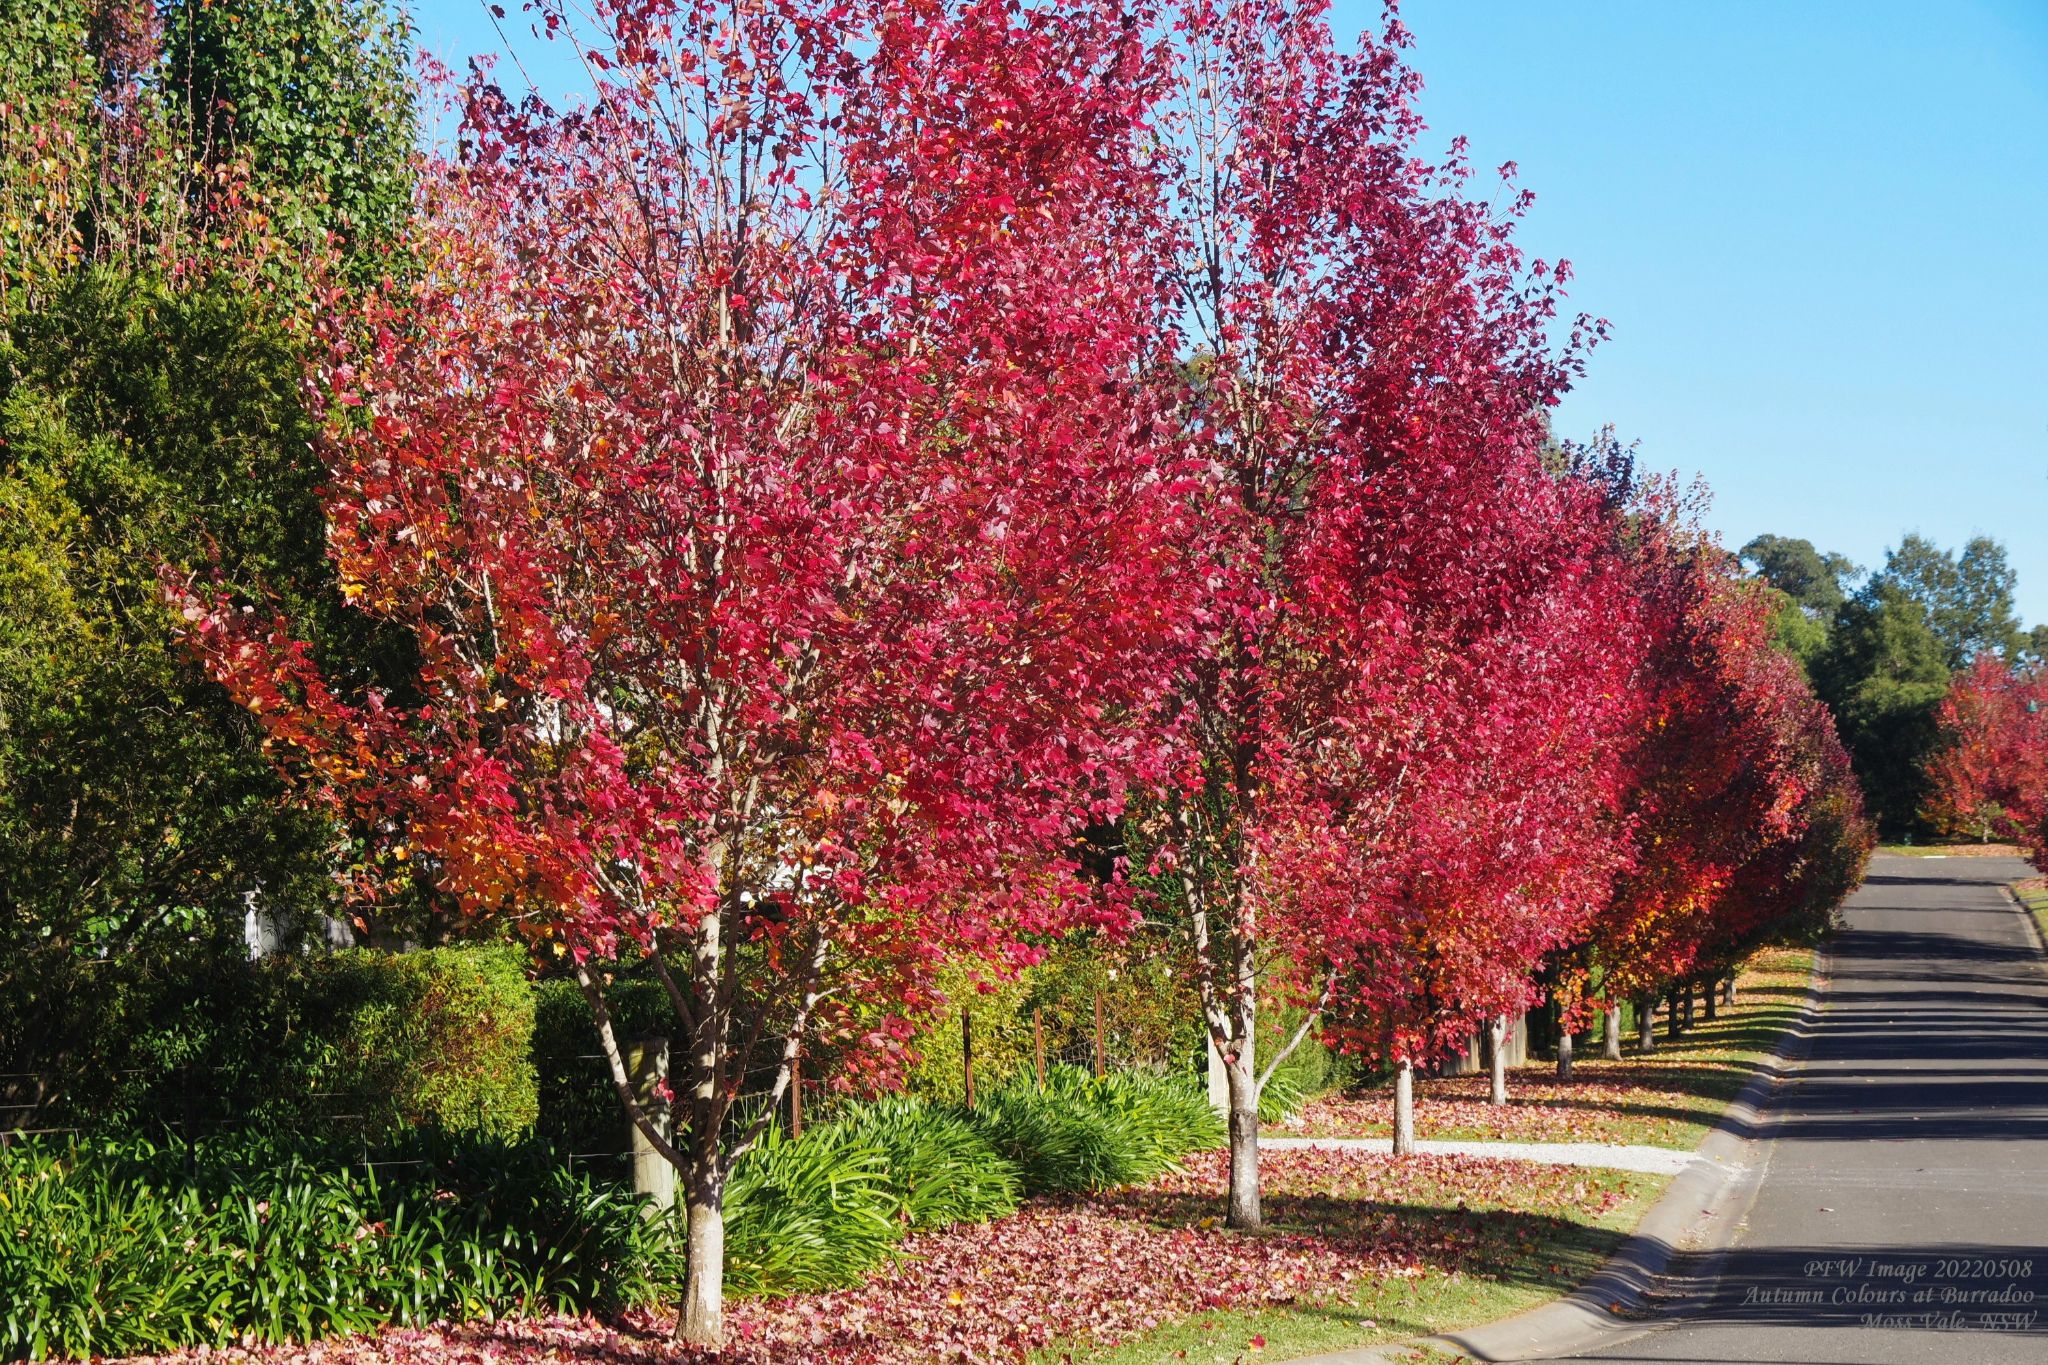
<point>1744,818</point>
<point>1365,363</point>
<point>1989,771</point>
<point>758,470</point>
<point>1513,833</point>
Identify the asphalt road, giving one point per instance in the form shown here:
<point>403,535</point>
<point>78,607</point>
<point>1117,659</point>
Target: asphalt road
<point>1903,1213</point>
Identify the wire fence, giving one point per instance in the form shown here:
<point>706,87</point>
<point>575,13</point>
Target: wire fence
<point>580,1115</point>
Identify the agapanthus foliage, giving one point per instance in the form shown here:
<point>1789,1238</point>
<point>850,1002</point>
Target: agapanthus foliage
<point>758,469</point>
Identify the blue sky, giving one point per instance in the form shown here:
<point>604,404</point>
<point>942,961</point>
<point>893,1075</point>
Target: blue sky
<point>1820,231</point>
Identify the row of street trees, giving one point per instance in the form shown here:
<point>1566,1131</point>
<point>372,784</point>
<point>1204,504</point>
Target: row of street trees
<point>886,483</point>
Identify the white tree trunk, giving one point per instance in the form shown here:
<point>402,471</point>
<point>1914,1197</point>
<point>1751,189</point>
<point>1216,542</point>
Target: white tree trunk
<point>1244,1142</point>
<point>1610,1037</point>
<point>1497,1032</point>
<point>1404,1108</point>
<point>703,1319</point>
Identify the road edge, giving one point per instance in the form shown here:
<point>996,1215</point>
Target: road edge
<point>1701,1211</point>
<point>2027,918</point>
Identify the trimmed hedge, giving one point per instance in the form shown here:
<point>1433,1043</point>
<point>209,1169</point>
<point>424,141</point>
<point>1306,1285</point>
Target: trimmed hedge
<point>357,1042</point>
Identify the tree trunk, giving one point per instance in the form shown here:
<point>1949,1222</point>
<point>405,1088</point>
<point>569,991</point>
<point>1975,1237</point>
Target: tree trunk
<point>1672,1023</point>
<point>1564,1053</point>
<point>1610,1038</point>
<point>1404,1108</point>
<point>1710,996</point>
<point>1244,1141</point>
<point>1497,1033</point>
<point>1690,994</point>
<point>1728,991</point>
<point>703,1318</point>
<point>1646,1023</point>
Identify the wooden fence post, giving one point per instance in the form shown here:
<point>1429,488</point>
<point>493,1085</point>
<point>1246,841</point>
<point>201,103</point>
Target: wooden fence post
<point>653,1176</point>
<point>967,1052</point>
<point>1098,1035</point>
<point>1038,1043</point>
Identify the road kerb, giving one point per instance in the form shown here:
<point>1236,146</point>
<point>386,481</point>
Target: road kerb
<point>1701,1212</point>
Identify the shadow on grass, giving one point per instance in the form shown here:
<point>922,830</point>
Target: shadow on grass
<point>1448,1265</point>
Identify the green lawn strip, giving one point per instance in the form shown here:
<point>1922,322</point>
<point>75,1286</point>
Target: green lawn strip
<point>1952,850</point>
<point>1670,1098</point>
<point>1497,1258</point>
<point>2032,892</point>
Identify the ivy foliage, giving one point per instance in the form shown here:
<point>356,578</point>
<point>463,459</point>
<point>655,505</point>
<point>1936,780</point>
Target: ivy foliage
<point>314,96</point>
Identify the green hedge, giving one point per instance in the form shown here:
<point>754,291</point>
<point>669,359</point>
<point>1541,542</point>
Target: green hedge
<point>359,1042</point>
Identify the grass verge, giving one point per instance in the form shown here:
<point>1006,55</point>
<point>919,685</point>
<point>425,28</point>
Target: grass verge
<point>1671,1097</point>
<point>2032,894</point>
<point>1472,1257</point>
<point>1952,850</point>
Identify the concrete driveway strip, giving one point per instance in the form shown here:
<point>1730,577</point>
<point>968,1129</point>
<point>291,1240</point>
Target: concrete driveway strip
<point>1902,1215</point>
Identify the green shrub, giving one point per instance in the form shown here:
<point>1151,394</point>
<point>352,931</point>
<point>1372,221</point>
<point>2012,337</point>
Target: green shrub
<point>357,1042</point>
<point>940,1168</point>
<point>113,1249</point>
<point>1083,1133</point>
<point>1159,1118</point>
<point>1151,1016</point>
<point>1058,1142</point>
<point>816,1212</point>
<point>444,1037</point>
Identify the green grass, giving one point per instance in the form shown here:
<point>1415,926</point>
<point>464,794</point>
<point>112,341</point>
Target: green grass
<point>1516,1258</point>
<point>2032,894</point>
<point>1963,850</point>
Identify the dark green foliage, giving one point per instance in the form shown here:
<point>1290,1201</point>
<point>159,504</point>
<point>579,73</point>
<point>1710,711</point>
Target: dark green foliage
<point>1083,1134</point>
<point>579,1109</point>
<point>119,1246</point>
<point>357,1043</point>
<point>821,1211</point>
<point>938,1165</point>
<point>114,1249</point>
<point>810,1213</point>
<point>315,95</point>
<point>1968,598</point>
<point>1056,1148</point>
<point>1883,674</point>
<point>1814,581</point>
<point>1797,632</point>
<point>139,428</point>
<point>1157,1119</point>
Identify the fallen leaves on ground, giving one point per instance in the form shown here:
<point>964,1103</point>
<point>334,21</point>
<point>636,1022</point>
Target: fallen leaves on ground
<point>1080,1271</point>
<point>1664,1099</point>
